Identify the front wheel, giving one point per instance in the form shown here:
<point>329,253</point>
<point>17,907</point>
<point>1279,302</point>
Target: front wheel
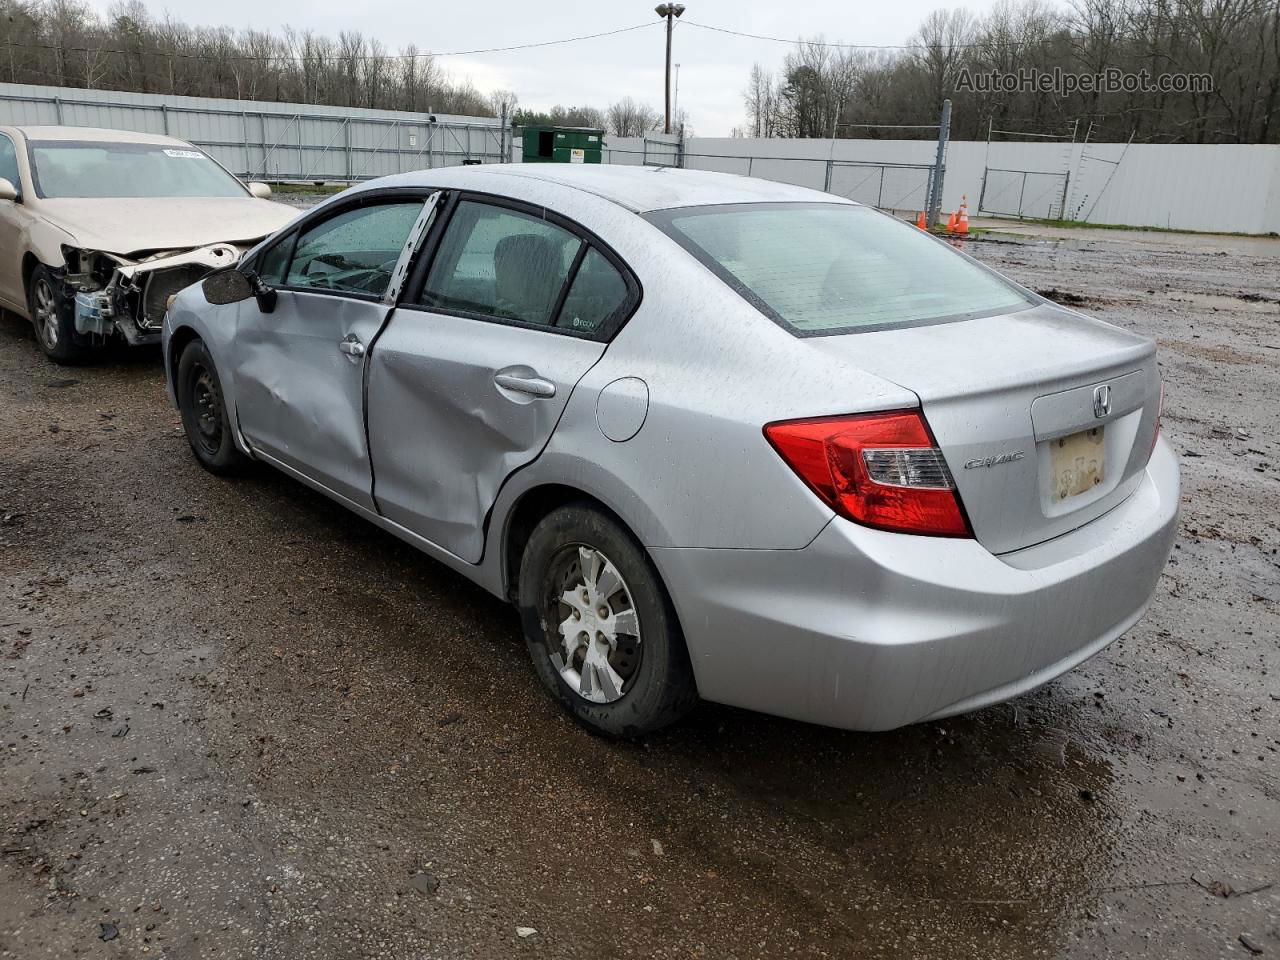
<point>204,413</point>
<point>53,319</point>
<point>600,627</point>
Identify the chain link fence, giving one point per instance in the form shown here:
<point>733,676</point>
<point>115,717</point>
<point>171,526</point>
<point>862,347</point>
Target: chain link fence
<point>1027,194</point>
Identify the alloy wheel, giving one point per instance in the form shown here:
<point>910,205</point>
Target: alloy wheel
<point>46,311</point>
<point>595,646</point>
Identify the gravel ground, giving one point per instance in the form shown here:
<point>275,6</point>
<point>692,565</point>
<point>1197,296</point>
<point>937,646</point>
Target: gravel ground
<point>239,722</point>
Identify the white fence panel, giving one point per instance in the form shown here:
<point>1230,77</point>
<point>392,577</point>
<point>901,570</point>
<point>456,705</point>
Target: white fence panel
<point>1221,187</point>
<point>279,141</point>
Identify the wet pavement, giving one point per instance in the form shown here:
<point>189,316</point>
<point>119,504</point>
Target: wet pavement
<point>237,721</point>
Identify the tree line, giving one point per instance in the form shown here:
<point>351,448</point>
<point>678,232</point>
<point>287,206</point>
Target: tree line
<point>627,117</point>
<point>66,43</point>
<point>821,90</point>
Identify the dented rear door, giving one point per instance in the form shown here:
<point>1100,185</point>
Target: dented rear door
<point>476,366</point>
<point>444,430</point>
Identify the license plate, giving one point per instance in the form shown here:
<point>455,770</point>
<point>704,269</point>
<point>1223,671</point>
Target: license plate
<point>1079,463</point>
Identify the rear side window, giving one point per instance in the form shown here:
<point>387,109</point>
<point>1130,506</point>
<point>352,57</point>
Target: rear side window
<point>354,252</point>
<point>825,268</point>
<point>500,263</point>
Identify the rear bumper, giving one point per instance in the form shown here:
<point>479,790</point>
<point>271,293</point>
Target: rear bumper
<point>870,630</point>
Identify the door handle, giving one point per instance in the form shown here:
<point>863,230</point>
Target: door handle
<point>534,386</point>
<point>351,346</point>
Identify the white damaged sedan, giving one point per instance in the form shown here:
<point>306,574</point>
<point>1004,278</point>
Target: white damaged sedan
<point>98,228</point>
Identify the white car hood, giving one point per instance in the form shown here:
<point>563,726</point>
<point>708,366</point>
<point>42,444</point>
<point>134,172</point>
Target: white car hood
<point>131,225</point>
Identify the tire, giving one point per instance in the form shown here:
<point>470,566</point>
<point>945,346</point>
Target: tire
<point>53,319</point>
<point>639,641</point>
<point>204,414</point>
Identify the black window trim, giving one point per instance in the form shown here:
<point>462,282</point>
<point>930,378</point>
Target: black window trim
<point>377,197</point>
<point>662,219</point>
<point>604,333</point>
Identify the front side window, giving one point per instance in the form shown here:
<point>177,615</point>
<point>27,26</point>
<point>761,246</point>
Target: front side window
<point>826,268</point>
<point>501,263</point>
<point>9,163</point>
<point>81,168</point>
<point>354,252</point>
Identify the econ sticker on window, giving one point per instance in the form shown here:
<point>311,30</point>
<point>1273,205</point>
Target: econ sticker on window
<point>186,154</point>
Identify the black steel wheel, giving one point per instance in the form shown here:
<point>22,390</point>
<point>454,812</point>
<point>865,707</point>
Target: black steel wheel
<point>205,419</point>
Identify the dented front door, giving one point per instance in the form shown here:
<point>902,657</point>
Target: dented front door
<point>300,385</point>
<point>300,365</point>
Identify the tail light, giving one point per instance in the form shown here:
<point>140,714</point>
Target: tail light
<point>882,470</point>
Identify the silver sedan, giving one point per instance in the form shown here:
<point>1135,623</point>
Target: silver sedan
<point>715,437</point>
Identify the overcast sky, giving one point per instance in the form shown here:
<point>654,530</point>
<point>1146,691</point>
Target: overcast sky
<point>713,69</point>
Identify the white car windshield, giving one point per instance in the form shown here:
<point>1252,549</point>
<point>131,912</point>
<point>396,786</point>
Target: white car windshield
<point>825,268</point>
<point>82,168</point>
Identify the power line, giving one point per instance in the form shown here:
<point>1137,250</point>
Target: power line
<point>795,41</point>
<point>336,56</point>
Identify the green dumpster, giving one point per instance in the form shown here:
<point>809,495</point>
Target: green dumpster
<point>562,144</point>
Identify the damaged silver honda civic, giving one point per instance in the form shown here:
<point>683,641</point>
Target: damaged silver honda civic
<point>98,228</point>
<point>715,437</point>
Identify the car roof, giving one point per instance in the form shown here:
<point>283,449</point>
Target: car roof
<point>637,188</point>
<point>95,134</point>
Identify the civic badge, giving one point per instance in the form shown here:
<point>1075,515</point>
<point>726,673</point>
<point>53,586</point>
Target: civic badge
<point>1101,400</point>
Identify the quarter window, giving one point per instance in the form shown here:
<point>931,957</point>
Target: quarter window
<point>500,263</point>
<point>598,291</point>
<point>273,263</point>
<point>354,252</point>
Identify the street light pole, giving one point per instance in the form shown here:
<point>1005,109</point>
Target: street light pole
<point>675,96</point>
<point>670,11</point>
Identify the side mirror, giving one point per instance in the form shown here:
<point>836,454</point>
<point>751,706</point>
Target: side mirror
<point>226,286</point>
<point>7,190</point>
<point>233,285</point>
<point>260,190</point>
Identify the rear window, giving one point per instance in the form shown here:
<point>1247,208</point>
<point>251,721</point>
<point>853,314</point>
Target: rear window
<point>826,268</point>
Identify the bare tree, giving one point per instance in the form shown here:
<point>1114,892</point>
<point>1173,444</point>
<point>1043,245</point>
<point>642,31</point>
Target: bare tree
<point>628,118</point>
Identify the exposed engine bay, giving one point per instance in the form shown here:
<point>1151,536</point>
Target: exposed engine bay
<point>113,295</point>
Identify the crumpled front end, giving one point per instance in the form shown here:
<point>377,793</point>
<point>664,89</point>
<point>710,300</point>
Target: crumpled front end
<point>112,295</point>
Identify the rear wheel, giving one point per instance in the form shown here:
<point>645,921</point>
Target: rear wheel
<point>600,628</point>
<point>204,413</point>
<point>53,319</point>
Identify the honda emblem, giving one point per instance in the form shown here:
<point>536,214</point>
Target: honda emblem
<point>1102,400</point>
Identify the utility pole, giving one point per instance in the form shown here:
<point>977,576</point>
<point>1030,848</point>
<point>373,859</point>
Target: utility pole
<point>670,11</point>
<point>940,165</point>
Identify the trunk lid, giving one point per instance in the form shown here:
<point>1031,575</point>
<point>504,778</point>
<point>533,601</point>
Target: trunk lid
<point>1045,417</point>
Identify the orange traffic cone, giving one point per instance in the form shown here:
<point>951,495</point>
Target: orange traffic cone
<point>920,221</point>
<point>962,221</point>
<point>951,223</point>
